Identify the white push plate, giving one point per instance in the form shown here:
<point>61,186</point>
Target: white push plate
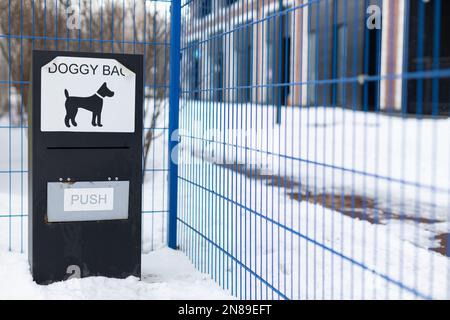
<point>88,199</point>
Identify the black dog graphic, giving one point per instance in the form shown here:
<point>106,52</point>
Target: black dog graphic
<point>93,103</point>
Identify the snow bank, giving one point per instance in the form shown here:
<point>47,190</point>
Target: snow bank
<point>166,274</point>
<point>401,162</point>
<point>301,249</point>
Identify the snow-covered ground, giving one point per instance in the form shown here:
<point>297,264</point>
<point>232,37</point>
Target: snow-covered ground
<point>166,274</point>
<point>403,163</point>
<point>255,241</point>
<point>303,249</point>
<point>255,238</point>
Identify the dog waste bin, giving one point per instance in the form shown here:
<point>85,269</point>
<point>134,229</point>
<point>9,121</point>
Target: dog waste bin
<point>85,143</point>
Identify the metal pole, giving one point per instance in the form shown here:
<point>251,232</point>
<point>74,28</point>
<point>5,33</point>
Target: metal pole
<point>174,105</point>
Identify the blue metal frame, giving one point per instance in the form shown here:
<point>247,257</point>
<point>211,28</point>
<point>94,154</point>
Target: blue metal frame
<point>174,103</point>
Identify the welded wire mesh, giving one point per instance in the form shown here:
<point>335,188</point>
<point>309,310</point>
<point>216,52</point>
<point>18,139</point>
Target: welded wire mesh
<point>313,154</point>
<point>110,26</point>
<point>313,147</point>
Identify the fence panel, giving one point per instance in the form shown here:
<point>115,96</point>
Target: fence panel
<point>120,26</point>
<point>313,155</point>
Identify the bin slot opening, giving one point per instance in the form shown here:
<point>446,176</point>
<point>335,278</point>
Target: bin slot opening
<point>87,148</point>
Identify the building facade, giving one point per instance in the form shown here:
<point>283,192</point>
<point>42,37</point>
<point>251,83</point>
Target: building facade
<point>356,54</point>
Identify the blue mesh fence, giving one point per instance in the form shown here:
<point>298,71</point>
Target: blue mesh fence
<point>313,160</point>
<point>313,154</point>
<point>110,26</point>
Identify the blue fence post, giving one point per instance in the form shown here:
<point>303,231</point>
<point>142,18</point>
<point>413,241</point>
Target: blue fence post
<point>174,104</point>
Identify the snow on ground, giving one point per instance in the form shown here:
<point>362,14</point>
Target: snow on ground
<point>166,274</point>
<point>304,249</point>
<point>401,164</point>
<point>299,248</point>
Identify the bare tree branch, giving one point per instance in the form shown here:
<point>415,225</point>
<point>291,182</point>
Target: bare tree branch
<point>127,27</point>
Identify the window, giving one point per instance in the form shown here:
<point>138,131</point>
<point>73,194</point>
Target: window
<point>205,8</point>
<point>230,2</point>
<point>427,95</point>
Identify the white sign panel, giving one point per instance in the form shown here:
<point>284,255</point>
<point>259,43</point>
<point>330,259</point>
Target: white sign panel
<point>89,199</point>
<point>87,95</point>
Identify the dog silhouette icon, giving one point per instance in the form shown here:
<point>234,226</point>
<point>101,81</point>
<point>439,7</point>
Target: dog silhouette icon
<point>93,103</point>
